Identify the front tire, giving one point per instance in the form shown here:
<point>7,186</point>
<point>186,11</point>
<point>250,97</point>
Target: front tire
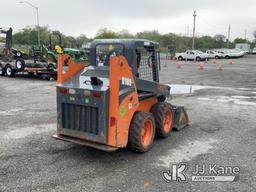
<point>198,59</point>
<point>9,71</point>
<point>163,115</point>
<point>142,132</point>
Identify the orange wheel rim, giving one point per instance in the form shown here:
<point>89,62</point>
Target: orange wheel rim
<point>167,122</point>
<point>147,132</point>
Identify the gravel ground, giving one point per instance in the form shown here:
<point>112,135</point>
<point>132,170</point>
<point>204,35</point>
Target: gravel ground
<point>222,131</point>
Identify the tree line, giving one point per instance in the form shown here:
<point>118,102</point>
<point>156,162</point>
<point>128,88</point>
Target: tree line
<point>170,42</point>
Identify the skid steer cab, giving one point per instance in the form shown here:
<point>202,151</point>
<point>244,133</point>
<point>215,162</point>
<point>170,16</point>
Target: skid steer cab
<point>117,100</point>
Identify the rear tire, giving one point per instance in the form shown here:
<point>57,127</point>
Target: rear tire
<point>198,59</point>
<point>2,70</point>
<point>180,58</point>
<point>163,115</point>
<point>142,132</point>
<point>9,71</point>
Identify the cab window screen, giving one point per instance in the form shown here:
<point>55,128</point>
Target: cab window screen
<point>105,51</point>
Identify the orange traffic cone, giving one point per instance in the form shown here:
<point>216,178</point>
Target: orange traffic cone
<point>231,62</point>
<point>201,66</point>
<point>215,61</point>
<point>220,67</point>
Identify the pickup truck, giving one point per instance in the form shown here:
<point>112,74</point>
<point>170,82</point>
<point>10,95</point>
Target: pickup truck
<point>192,55</point>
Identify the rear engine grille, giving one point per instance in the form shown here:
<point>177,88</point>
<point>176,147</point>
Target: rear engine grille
<point>80,118</point>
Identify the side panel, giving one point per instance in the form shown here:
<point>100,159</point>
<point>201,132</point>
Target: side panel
<point>121,113</point>
<point>147,104</point>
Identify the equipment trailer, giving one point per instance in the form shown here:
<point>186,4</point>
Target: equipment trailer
<point>10,68</point>
<point>12,61</point>
<point>116,101</point>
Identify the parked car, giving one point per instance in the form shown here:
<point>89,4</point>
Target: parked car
<point>214,54</point>
<point>191,55</point>
<point>237,53</point>
<point>231,53</point>
<point>254,50</point>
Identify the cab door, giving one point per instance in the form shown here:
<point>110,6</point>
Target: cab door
<point>191,55</point>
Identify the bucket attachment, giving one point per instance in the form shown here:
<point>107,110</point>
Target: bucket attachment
<point>180,118</point>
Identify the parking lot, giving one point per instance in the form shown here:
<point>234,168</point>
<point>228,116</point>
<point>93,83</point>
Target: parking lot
<point>222,131</point>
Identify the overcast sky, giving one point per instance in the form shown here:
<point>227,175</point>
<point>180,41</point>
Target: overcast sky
<point>74,17</point>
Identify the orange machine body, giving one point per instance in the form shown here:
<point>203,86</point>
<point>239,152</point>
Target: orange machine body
<point>120,111</point>
<point>115,101</point>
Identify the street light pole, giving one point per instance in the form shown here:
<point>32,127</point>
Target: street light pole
<point>37,18</point>
<point>194,30</point>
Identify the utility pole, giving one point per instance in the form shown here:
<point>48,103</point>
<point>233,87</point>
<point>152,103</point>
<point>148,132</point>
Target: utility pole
<point>229,29</point>
<point>194,30</point>
<point>245,35</point>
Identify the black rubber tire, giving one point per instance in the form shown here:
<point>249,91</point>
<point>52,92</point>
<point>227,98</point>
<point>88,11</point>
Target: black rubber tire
<point>18,54</point>
<point>161,98</point>
<point>9,70</point>
<point>51,67</point>
<point>227,57</point>
<point>2,70</point>
<point>158,110</point>
<point>217,57</point>
<point>134,139</point>
<point>20,64</point>
<point>180,58</point>
<point>198,59</point>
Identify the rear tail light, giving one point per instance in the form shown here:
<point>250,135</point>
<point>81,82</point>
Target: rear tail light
<point>96,94</point>
<point>63,90</point>
<point>112,121</point>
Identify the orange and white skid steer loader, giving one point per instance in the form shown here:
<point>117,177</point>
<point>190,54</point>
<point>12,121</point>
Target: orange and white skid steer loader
<point>117,100</point>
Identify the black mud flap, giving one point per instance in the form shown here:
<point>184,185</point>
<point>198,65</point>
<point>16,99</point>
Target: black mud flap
<point>180,119</point>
